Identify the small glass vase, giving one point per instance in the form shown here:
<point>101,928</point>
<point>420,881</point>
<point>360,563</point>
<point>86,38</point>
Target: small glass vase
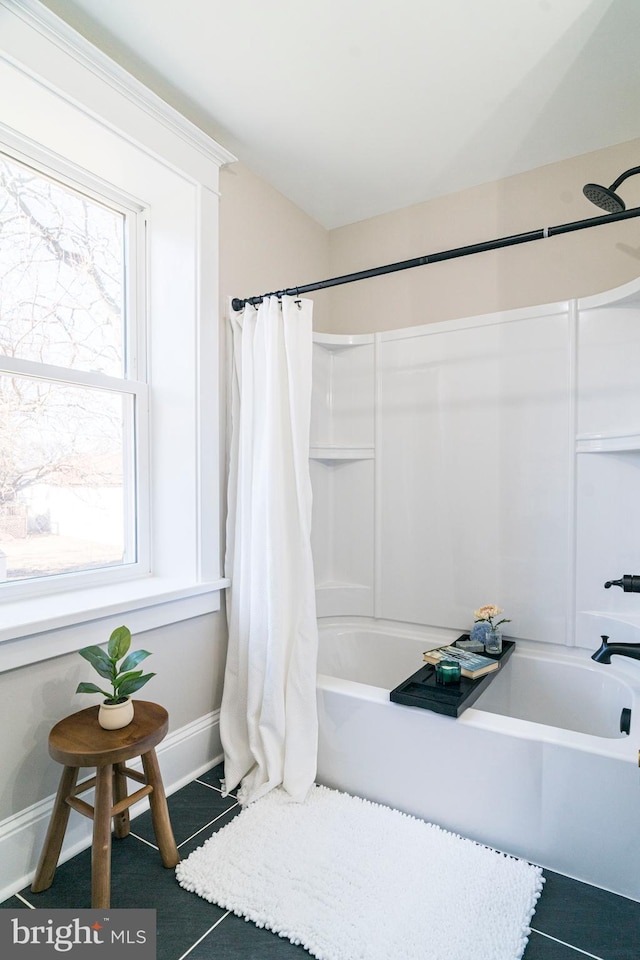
<point>493,640</point>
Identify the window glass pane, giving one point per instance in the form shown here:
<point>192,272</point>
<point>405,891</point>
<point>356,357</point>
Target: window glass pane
<point>61,274</point>
<point>65,474</point>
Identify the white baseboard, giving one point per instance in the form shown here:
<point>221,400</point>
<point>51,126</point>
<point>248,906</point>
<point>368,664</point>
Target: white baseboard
<point>183,755</point>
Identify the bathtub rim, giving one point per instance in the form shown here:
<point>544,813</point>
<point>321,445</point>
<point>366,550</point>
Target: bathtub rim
<point>623,748</point>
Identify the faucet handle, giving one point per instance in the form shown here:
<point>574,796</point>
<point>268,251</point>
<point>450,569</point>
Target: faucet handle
<point>630,583</point>
<point>602,654</point>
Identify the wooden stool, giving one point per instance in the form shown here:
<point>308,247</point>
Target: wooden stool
<point>79,741</point>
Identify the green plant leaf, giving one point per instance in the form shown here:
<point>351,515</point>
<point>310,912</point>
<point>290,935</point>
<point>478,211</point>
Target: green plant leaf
<point>91,688</point>
<point>98,660</point>
<point>125,678</point>
<point>130,686</point>
<point>133,660</point>
<point>119,643</point>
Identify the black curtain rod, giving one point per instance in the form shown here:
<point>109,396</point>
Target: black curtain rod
<point>483,247</point>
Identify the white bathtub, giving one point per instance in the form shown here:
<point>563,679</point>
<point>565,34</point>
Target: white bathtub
<point>537,767</point>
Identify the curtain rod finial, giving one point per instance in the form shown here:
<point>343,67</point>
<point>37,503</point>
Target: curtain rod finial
<point>237,304</point>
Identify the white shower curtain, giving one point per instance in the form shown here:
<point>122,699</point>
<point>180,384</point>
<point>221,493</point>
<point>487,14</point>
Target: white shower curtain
<point>268,718</point>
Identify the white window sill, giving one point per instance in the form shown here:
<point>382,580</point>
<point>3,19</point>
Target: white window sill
<point>47,627</point>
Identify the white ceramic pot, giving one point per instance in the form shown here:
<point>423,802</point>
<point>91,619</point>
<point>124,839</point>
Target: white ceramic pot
<point>113,716</point>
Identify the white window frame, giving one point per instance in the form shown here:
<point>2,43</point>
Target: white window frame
<point>72,109</point>
<point>133,381</point>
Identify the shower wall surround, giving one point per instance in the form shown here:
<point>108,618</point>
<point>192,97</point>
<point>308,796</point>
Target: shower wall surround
<point>492,459</point>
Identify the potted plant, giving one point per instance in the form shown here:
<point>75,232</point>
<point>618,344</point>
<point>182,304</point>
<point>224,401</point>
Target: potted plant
<point>117,666</point>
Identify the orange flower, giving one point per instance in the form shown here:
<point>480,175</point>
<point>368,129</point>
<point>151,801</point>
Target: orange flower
<point>488,612</point>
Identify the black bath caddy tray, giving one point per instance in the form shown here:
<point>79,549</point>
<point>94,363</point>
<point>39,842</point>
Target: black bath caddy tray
<point>422,690</point>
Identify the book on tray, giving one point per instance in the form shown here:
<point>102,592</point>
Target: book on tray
<point>472,665</point>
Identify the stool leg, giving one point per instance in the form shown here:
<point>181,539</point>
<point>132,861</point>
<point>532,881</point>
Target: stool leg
<point>121,822</point>
<point>101,848</point>
<point>160,811</point>
<point>56,831</point>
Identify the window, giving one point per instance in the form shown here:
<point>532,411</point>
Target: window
<point>115,361</point>
<point>72,397</point>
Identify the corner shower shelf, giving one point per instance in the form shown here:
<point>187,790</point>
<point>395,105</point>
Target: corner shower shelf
<point>330,453</point>
<point>421,689</point>
<point>341,341</point>
<point>608,443</point>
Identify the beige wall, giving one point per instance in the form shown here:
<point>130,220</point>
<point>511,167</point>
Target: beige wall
<point>266,242</point>
<point>544,271</point>
<point>188,659</point>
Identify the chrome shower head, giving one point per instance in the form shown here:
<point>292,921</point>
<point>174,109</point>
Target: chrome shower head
<point>606,197</point>
<point>603,197</point>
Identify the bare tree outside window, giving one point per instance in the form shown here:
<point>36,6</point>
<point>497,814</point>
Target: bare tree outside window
<point>65,443</point>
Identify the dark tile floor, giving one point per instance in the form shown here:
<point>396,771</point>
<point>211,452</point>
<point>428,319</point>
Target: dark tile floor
<point>572,920</point>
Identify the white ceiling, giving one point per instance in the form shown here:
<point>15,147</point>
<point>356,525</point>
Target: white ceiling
<point>352,108</point>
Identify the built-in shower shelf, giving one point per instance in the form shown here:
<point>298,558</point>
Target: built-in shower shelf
<point>330,453</point>
<point>608,443</point>
<point>341,341</point>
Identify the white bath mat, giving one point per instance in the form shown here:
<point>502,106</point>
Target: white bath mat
<point>353,880</point>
